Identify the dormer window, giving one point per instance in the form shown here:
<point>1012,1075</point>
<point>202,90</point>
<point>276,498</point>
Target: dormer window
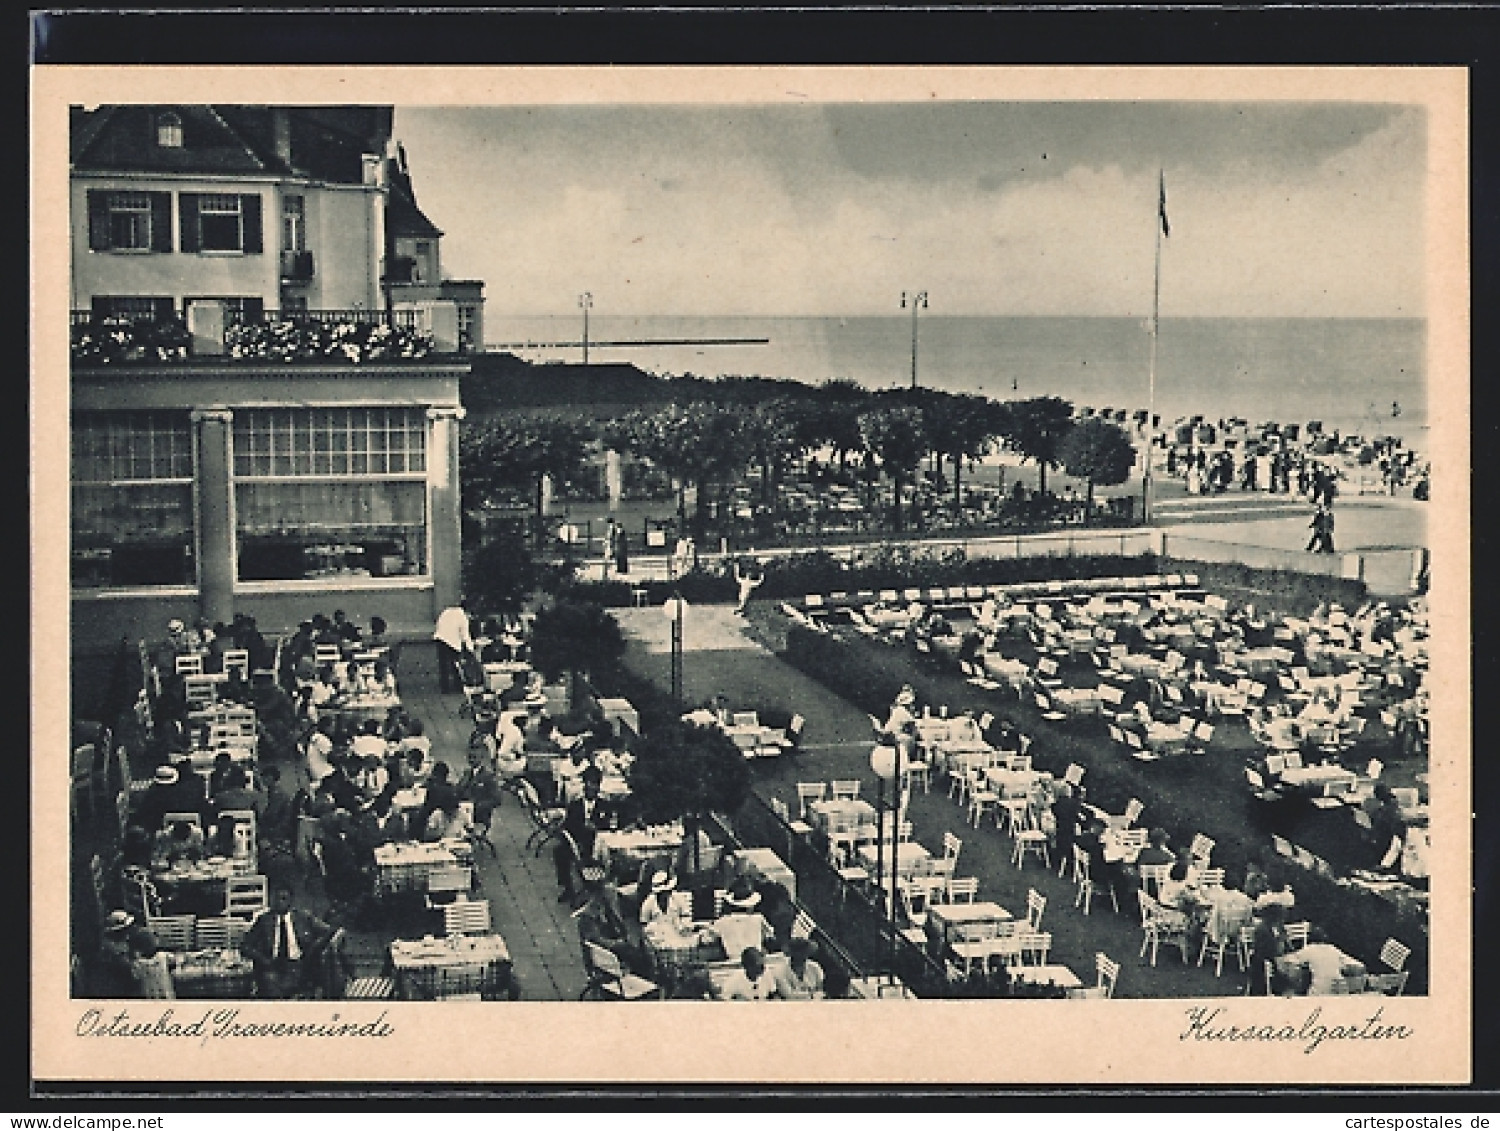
<point>169,131</point>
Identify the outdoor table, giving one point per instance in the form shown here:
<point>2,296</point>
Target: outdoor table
<point>751,738</point>
<point>879,988</point>
<point>719,973</point>
<point>944,918</point>
<point>622,848</point>
<point>363,708</point>
<point>213,974</point>
<point>1228,911</point>
<point>1078,641</point>
<point>406,865</point>
<point>675,949</point>
<point>1050,974</point>
<point>612,787</point>
<point>1164,739</point>
<point>621,713</point>
<point>1013,782</point>
<point>766,865</point>
<point>199,886</point>
<point>911,858</point>
<point>426,968</point>
<point>501,675</point>
<point>1316,778</point>
<point>1258,661</point>
<point>1013,672</point>
<point>1077,700</point>
<point>1137,664</point>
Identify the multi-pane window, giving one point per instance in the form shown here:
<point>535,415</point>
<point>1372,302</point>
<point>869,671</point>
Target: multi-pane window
<point>330,441</point>
<point>132,515</point>
<point>130,221</point>
<point>330,492</point>
<point>219,221</point>
<point>169,131</point>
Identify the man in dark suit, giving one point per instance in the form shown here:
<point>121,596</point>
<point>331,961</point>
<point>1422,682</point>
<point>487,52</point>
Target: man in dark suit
<point>575,840</point>
<point>286,945</point>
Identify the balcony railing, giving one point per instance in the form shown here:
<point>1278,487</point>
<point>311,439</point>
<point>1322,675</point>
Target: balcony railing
<point>290,335</point>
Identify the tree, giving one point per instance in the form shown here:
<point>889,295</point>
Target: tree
<point>770,434</point>
<point>962,426</point>
<point>896,437</point>
<point>700,443</point>
<point>520,452</point>
<point>1035,428</point>
<point>1099,451</point>
<point>574,637</point>
<point>499,571</point>
<point>686,772</point>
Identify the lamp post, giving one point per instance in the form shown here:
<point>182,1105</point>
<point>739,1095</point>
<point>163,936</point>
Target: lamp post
<point>673,608</point>
<point>585,301</point>
<point>885,761</point>
<point>918,301</point>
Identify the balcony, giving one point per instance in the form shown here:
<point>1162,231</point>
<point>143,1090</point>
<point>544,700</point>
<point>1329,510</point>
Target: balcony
<point>347,336</point>
<point>296,266</point>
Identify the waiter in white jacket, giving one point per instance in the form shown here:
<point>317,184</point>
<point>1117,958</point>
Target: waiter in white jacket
<point>454,643</point>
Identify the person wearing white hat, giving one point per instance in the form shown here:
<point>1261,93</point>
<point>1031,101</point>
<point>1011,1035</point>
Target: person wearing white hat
<point>742,925</point>
<point>661,902</point>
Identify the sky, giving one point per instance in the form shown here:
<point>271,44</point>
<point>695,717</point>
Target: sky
<point>992,208</point>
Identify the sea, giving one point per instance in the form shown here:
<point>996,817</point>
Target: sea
<point>1361,376</point>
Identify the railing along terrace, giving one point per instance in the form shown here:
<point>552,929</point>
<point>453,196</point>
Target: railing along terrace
<point>404,318</point>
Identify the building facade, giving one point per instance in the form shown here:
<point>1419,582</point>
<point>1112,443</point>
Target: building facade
<point>258,425</point>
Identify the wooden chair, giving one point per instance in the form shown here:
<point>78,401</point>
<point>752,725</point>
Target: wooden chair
<point>447,885</point>
<point>467,917</point>
<point>1133,811</point>
<point>199,691</point>
<point>188,663</point>
<point>1152,876</point>
<point>1296,934</point>
<point>1161,925</point>
<point>1034,946</point>
<point>961,889</point>
<point>222,933</point>
<point>844,790</point>
<point>245,897</point>
<point>1031,841</point>
<point>1084,884</point>
<point>1036,903</point>
<point>607,979</point>
<point>807,793</point>
<point>1201,849</point>
<point>237,662</point>
<point>460,983</point>
<point>1106,975</point>
<point>172,932</point>
<point>982,799</point>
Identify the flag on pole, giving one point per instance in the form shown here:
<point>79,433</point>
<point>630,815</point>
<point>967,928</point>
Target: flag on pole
<point>1161,207</point>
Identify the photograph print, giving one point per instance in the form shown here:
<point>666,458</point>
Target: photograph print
<point>950,539</point>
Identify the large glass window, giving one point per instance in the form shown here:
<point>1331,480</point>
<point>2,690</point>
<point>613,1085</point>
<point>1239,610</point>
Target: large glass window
<point>330,492</point>
<point>130,221</point>
<point>132,493</point>
<point>219,222</point>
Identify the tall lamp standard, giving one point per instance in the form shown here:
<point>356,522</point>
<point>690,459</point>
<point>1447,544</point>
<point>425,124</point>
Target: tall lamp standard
<point>885,761</point>
<point>585,301</point>
<point>674,608</point>
<point>918,301</point>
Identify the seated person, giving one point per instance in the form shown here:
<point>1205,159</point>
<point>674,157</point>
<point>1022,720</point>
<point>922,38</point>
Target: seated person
<point>1156,852</point>
<point>480,785</point>
<point>441,794</point>
<point>803,978</point>
<point>448,822</point>
<point>368,743</point>
<point>742,926</point>
<point>752,981</point>
<point>600,921</point>
<point>179,842</point>
<point>377,639</point>
<point>1177,893</point>
<point>236,793</point>
<point>379,823</point>
<point>417,748</point>
<point>285,945</point>
<point>664,901</point>
<point>319,751</point>
<point>1324,962</point>
<point>511,744</point>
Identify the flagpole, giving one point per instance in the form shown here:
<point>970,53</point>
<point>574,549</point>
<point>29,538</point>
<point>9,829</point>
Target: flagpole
<point>1161,220</point>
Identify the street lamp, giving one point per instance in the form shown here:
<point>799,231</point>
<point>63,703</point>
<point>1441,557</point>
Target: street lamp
<point>674,608</point>
<point>918,302</point>
<point>585,301</point>
<point>885,761</point>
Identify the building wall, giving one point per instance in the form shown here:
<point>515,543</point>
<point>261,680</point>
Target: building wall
<point>408,603</point>
<point>344,239</point>
<point>342,234</point>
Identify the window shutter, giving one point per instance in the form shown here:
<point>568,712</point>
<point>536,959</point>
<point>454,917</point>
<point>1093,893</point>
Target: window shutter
<point>187,207</point>
<point>250,209</point>
<point>98,207</point>
<point>161,221</point>
<point>162,309</point>
<point>254,308</point>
